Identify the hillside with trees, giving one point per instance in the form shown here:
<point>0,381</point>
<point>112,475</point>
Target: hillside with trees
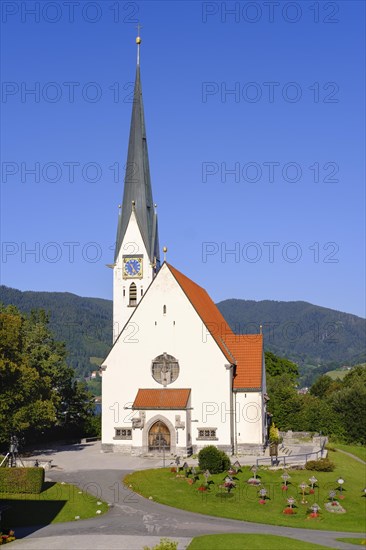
<point>42,400</point>
<point>317,339</point>
<point>84,324</point>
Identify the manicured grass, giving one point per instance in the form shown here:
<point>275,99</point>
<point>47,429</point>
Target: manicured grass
<point>57,503</point>
<point>243,502</point>
<point>254,542</point>
<point>358,542</point>
<point>356,450</point>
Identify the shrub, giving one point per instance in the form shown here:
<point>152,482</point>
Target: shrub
<point>21,480</point>
<point>321,465</point>
<point>164,544</point>
<point>212,459</point>
<point>274,434</point>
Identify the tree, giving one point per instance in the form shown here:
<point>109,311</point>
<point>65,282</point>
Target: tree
<point>338,407</point>
<point>349,404</point>
<point>317,415</point>
<point>38,391</point>
<point>277,366</point>
<point>284,402</point>
<point>321,386</point>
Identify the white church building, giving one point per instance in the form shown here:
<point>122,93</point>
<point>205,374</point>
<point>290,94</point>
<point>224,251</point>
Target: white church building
<point>177,378</point>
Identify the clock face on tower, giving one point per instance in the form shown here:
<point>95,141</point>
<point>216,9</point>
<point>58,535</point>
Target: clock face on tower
<point>132,267</point>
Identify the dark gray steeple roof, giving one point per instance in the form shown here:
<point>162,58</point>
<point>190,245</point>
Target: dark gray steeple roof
<point>137,186</point>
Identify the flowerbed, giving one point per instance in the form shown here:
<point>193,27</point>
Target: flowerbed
<point>254,481</point>
<point>335,507</point>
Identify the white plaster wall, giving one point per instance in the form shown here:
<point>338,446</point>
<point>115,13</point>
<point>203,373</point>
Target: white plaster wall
<point>181,333</point>
<point>132,244</point>
<point>249,421</point>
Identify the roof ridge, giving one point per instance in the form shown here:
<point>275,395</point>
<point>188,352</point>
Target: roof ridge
<point>205,307</point>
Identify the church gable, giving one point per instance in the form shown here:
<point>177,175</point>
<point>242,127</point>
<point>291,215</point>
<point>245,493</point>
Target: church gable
<point>166,314</point>
<point>165,293</point>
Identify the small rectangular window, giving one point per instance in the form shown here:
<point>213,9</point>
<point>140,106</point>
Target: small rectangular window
<point>207,434</point>
<point>123,433</point>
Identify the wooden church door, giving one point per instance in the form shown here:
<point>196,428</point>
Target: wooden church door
<point>159,437</point>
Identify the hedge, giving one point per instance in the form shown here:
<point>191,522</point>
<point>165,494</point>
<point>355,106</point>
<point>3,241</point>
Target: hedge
<point>321,465</point>
<point>21,480</point>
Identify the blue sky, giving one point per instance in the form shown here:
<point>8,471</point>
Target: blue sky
<point>255,126</point>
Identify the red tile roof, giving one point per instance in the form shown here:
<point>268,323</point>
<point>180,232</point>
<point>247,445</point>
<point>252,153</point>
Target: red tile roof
<point>245,351</point>
<point>248,352</point>
<point>162,399</point>
<point>206,309</point>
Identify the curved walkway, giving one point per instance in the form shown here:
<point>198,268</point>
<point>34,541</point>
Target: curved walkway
<point>351,455</point>
<point>134,521</point>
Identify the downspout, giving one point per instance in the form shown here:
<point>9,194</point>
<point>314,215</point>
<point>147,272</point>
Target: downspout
<point>231,376</point>
<point>235,426</point>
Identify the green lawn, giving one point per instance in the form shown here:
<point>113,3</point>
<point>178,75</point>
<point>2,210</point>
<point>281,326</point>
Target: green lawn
<point>57,503</point>
<point>349,540</point>
<point>243,503</point>
<point>356,450</point>
<point>254,542</point>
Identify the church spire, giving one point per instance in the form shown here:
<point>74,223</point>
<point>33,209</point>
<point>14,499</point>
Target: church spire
<point>137,193</point>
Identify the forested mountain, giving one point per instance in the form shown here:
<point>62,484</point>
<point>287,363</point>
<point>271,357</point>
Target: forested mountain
<point>84,324</point>
<point>316,338</point>
<point>311,336</point>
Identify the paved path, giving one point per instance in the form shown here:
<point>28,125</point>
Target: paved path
<point>351,455</point>
<point>134,521</point>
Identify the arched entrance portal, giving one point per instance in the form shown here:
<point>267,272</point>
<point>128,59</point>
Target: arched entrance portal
<point>159,437</point>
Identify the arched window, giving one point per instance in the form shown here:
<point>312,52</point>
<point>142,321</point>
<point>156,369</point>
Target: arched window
<point>133,295</point>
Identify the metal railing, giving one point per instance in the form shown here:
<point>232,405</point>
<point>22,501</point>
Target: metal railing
<point>277,460</point>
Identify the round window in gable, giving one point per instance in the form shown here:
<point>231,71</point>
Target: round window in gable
<point>165,369</point>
